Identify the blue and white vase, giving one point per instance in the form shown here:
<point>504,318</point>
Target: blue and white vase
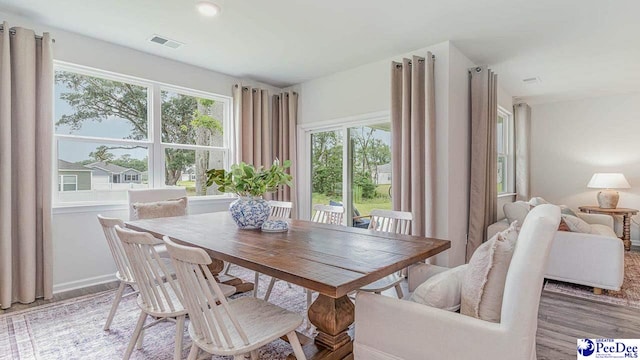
<point>250,212</point>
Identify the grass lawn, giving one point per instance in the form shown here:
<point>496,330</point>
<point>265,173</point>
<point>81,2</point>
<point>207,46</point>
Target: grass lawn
<point>189,185</point>
<point>382,201</point>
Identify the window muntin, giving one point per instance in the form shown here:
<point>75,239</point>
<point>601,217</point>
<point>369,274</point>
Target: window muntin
<point>115,129</point>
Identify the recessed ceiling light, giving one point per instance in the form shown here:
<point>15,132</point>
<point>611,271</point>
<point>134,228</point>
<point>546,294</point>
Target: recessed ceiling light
<point>207,8</point>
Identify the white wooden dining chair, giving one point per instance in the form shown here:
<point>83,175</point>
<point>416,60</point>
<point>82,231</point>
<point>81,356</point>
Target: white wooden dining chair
<point>124,272</point>
<point>328,214</point>
<point>280,210</point>
<point>160,294</point>
<point>227,328</point>
<point>389,221</point>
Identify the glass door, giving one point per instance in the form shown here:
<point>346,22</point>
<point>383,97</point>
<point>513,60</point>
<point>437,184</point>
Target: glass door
<point>369,171</point>
<point>327,153</point>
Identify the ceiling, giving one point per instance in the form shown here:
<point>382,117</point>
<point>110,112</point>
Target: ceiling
<point>578,48</point>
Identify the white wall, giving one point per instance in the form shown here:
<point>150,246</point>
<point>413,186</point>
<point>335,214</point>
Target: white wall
<point>572,140</point>
<point>365,90</point>
<point>81,256</point>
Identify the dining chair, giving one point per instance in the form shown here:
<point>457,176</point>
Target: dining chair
<point>124,272</point>
<point>160,295</point>
<point>389,221</point>
<point>227,328</point>
<point>280,210</point>
<point>327,214</point>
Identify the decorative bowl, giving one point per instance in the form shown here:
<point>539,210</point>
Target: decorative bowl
<point>275,226</point>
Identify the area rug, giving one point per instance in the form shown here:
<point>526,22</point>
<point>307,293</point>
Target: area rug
<point>72,329</point>
<point>629,294</point>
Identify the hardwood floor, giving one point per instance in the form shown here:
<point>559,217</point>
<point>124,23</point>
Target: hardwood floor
<point>563,319</point>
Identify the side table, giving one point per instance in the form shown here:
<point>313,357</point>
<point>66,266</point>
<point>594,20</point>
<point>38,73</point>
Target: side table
<point>624,212</point>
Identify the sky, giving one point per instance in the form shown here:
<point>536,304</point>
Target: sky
<point>75,151</point>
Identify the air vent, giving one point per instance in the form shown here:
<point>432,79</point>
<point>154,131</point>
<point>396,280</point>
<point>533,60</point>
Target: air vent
<point>531,80</point>
<point>161,40</point>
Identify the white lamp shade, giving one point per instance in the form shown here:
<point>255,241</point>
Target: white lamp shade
<point>608,181</point>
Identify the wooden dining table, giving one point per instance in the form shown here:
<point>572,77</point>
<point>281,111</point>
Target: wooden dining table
<point>329,259</point>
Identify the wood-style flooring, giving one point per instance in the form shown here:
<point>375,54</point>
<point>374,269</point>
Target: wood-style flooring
<point>562,320</point>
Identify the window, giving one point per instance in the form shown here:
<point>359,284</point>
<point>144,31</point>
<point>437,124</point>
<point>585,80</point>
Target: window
<point>504,143</point>
<point>68,183</point>
<point>125,133</point>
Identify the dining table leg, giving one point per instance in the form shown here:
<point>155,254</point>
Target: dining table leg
<point>216,268</point>
<point>332,318</point>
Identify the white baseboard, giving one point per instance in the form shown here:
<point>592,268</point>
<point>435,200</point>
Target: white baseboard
<point>635,242</point>
<point>78,284</point>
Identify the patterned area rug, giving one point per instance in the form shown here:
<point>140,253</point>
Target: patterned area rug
<point>629,294</point>
<point>72,329</point>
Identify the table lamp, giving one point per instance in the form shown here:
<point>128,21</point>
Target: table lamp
<point>608,198</point>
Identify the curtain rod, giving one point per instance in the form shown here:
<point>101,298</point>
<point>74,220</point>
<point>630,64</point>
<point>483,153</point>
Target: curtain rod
<point>13,32</point>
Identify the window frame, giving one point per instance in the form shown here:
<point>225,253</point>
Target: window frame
<point>62,183</point>
<point>508,147</point>
<point>154,144</point>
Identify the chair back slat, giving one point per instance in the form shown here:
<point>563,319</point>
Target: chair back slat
<point>328,214</point>
<point>397,222</point>
<point>280,209</point>
<point>159,291</point>
<point>115,246</point>
<point>212,319</point>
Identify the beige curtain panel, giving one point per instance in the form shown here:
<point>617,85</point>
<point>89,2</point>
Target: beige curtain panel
<point>483,187</point>
<point>253,113</point>
<point>522,121</point>
<point>26,93</point>
<point>413,140</point>
<point>285,120</point>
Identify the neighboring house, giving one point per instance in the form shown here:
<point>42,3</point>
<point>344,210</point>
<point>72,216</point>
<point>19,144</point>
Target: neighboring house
<point>73,176</point>
<point>383,174</point>
<point>106,173</point>
<point>189,174</point>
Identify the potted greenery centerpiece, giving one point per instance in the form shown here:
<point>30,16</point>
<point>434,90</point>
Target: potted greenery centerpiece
<point>250,210</point>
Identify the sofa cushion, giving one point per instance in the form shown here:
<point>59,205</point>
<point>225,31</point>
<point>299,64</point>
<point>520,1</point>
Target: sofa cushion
<point>603,230</point>
<point>483,284</point>
<point>565,210</point>
<point>159,209</point>
<point>576,224</point>
<point>516,211</point>
<point>442,290</point>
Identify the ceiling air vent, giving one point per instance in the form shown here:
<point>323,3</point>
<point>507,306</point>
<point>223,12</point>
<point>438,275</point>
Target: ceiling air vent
<point>160,40</point>
<point>531,80</point>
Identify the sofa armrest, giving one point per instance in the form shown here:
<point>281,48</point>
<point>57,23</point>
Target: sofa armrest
<point>388,328</point>
<point>497,227</point>
<point>597,219</point>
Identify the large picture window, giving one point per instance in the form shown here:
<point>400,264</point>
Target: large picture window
<point>115,133</point>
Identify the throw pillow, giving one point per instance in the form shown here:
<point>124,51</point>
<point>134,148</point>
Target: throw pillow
<point>576,224</point>
<point>565,210</point>
<point>483,284</point>
<point>159,209</point>
<point>516,211</point>
<point>535,201</point>
<point>442,290</point>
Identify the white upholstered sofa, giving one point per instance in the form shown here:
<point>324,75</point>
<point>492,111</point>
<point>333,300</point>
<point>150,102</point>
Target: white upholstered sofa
<point>595,259</point>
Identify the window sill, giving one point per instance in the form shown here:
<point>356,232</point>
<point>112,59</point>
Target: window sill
<point>506,195</point>
<point>73,208</point>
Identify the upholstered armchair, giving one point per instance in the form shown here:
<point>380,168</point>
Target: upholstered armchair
<point>389,328</point>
